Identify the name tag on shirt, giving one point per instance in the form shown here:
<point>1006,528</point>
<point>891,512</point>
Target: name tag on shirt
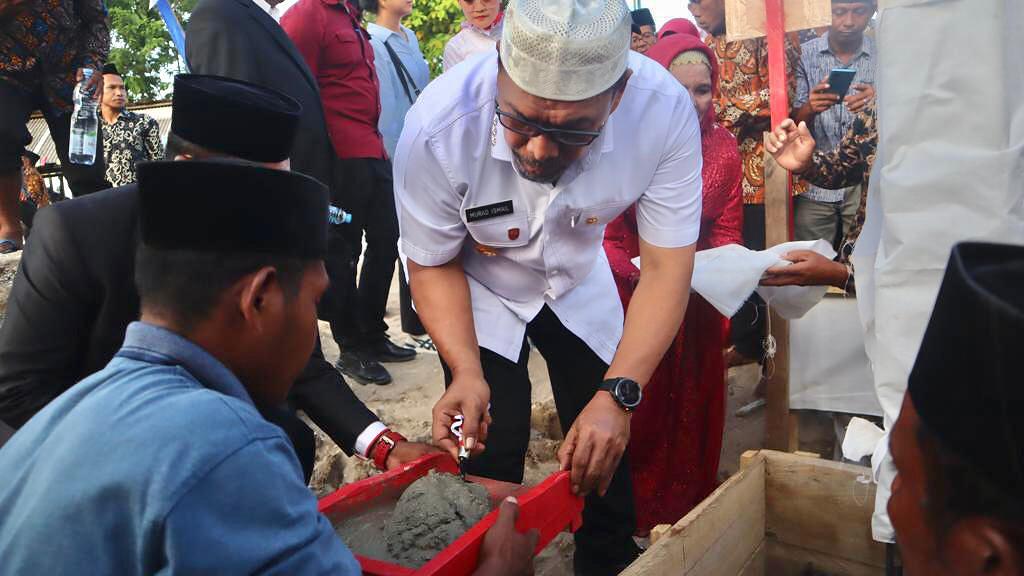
<point>489,211</point>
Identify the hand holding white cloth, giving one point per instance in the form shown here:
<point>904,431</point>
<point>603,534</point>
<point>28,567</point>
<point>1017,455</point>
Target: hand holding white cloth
<point>726,276</point>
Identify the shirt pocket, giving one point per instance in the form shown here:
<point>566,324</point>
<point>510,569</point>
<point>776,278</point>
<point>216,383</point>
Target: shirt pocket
<point>507,232</point>
<point>346,49</point>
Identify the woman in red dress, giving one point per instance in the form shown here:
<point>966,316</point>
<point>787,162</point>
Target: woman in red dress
<point>677,430</point>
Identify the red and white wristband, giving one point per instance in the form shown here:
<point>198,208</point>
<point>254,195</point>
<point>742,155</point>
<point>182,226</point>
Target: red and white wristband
<point>382,446</point>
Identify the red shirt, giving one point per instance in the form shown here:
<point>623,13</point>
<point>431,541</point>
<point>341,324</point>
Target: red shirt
<point>338,52</point>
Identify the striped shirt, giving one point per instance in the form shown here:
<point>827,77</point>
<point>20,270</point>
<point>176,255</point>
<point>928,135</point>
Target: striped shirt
<point>816,62</point>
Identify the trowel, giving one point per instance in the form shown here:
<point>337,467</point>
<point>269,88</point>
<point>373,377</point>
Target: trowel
<point>463,451</point>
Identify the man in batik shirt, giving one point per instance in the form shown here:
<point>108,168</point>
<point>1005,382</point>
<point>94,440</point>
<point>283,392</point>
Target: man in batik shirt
<point>742,106</point>
<point>45,45</point>
<point>128,137</point>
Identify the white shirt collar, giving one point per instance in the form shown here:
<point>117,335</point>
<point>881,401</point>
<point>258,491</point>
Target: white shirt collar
<point>273,11</point>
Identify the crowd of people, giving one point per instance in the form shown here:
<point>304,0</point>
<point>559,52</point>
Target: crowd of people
<point>173,302</point>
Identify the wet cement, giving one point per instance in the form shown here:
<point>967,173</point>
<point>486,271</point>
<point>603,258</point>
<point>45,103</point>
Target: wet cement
<point>432,513</point>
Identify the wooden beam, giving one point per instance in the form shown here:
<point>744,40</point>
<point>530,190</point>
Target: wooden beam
<point>781,429</point>
<point>823,507</point>
<point>718,537</point>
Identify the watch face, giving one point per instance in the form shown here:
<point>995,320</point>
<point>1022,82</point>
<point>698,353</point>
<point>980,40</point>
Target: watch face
<point>628,392</point>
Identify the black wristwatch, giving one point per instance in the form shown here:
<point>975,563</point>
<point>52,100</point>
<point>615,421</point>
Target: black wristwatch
<point>625,391</point>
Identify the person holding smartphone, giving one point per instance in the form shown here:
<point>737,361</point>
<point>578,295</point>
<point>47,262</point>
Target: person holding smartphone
<point>828,100</point>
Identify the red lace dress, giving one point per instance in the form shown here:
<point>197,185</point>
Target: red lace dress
<point>677,430</point>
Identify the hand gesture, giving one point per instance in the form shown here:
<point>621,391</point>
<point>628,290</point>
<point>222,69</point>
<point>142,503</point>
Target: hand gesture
<point>821,99</point>
<point>808,268</point>
<point>594,445</point>
<point>469,396</point>
<point>792,146</point>
<point>95,83</point>
<point>506,551</point>
<point>859,101</point>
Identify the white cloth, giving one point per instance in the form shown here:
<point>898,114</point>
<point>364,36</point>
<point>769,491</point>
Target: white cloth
<point>273,11</point>
<point>470,41</point>
<point>832,373</point>
<point>726,276</point>
<point>453,157</point>
<point>949,168</point>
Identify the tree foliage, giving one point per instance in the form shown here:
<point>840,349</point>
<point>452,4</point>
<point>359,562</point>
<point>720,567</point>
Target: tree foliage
<point>141,47</point>
<point>143,52</point>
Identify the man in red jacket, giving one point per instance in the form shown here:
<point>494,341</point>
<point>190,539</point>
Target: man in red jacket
<point>337,49</point>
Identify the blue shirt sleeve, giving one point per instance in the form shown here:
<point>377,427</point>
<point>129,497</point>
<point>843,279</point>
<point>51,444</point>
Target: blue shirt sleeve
<point>252,514</point>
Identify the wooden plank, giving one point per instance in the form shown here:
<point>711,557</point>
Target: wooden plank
<point>782,558</point>
<point>659,532</point>
<point>822,506</point>
<point>756,566</point>
<point>716,538</point>
<point>781,430</point>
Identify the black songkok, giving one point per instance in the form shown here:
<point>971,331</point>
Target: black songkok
<point>234,117</point>
<point>966,383</point>
<point>643,17</point>
<point>231,207</point>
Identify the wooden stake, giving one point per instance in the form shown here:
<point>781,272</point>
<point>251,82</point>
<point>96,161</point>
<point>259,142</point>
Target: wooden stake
<point>781,430</point>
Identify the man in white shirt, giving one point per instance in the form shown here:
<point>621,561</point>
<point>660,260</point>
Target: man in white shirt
<point>506,174</point>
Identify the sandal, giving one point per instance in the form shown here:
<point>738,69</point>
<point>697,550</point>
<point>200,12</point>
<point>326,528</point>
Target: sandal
<point>9,246</point>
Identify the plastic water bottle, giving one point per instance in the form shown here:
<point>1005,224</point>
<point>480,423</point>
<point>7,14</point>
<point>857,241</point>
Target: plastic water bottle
<point>84,123</point>
<point>338,216</point>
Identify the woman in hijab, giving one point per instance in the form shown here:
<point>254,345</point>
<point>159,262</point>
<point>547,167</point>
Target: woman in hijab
<point>677,432</point>
<point>678,26</point>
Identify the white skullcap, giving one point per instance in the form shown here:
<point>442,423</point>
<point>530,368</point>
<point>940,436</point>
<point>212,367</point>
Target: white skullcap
<point>566,50</point>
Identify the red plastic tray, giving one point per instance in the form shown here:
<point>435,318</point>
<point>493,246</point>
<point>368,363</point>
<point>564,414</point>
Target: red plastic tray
<point>550,508</point>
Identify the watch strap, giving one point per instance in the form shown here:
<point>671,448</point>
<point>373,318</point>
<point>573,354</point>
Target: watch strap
<point>382,447</point>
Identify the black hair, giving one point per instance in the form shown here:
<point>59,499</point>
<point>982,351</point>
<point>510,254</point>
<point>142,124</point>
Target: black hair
<point>178,146</point>
<point>187,285</point>
<point>957,490</point>
<point>371,6</point>
<point>110,68</point>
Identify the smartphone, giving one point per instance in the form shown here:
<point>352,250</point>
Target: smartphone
<point>839,80</point>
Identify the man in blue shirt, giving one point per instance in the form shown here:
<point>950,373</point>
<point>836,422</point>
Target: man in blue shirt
<point>194,480</point>
<point>821,213</point>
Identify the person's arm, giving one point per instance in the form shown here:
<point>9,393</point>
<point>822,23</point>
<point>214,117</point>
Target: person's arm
<point>850,162</point>
<point>94,34</point>
<point>47,321</point>
<point>154,147</point>
<point>668,220</point>
<point>432,234</point>
<point>304,24</point>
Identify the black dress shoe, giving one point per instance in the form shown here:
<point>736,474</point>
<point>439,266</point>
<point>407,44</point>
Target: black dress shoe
<point>387,351</point>
<point>363,369</point>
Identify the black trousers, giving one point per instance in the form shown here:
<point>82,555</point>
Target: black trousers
<point>16,105</point>
<point>576,371</point>
<point>369,197</point>
<point>748,324</point>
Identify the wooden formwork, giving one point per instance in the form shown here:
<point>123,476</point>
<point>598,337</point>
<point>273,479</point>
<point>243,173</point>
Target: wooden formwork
<point>781,514</point>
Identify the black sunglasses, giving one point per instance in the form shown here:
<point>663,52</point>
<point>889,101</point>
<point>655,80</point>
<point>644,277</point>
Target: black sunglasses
<point>529,129</point>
